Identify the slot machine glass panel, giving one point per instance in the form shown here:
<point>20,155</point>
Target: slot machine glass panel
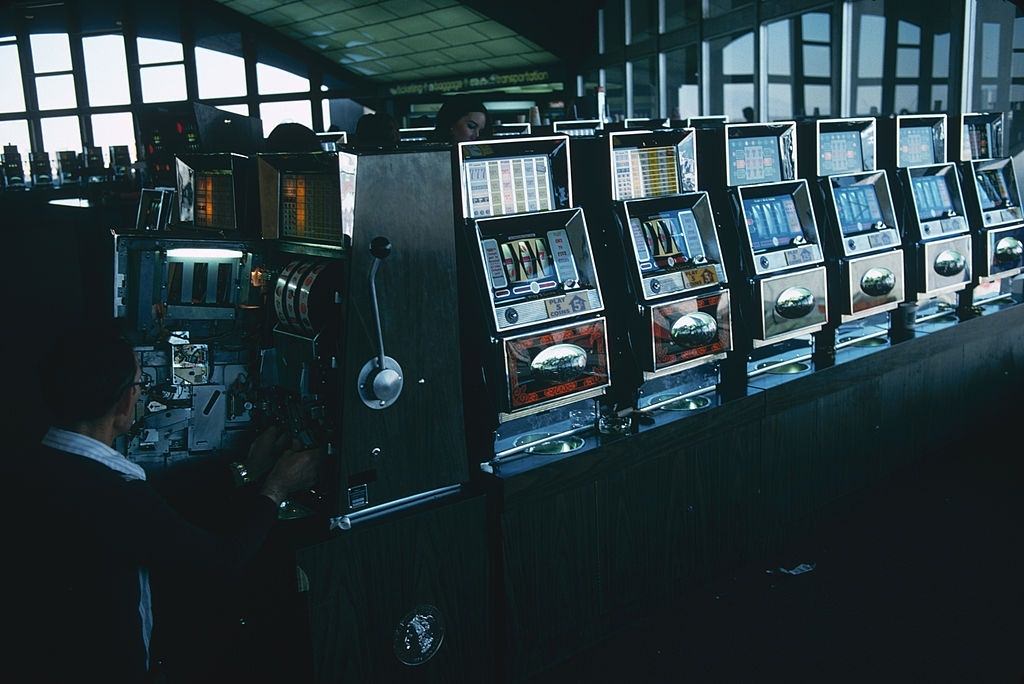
<point>779,226</point>
<point>514,176</point>
<point>652,164</point>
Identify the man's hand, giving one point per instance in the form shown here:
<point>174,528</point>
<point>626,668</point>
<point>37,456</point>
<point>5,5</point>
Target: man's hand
<point>293,472</point>
<point>265,449</point>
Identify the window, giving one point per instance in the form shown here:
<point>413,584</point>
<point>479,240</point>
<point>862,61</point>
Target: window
<point>106,70</point>
<point>615,92</point>
<point>799,66</point>
<point>643,20</point>
<point>56,92</point>
<point>614,25</point>
<point>12,95</point>
<point>154,51</point>
<point>114,129</point>
<point>235,109</point>
<point>274,113</point>
<point>219,74</point>
<point>271,80</point>
<point>61,133</point>
<point>714,8</point>
<point>16,133</point>
<point>868,42</point>
<point>644,90</point>
<point>730,76</point>
<point>51,52</point>
<point>682,69</point>
<point>163,83</point>
<point>679,13</point>
<point>992,71</point>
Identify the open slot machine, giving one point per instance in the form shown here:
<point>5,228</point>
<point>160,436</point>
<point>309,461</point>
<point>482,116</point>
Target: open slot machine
<point>993,210</point>
<point>669,312</point>
<point>187,296</point>
<point>39,167</point>
<point>774,244</point>
<point>68,167</point>
<point>860,232</point>
<point>539,333</point>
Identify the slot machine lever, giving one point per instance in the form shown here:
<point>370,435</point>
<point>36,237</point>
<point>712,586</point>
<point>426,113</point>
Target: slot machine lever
<point>380,380</point>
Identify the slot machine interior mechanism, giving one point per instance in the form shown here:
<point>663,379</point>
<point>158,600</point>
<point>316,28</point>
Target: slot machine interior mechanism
<point>669,313</point>
<point>216,192</point>
<point>860,233</point>
<point>192,311</point>
<point>993,211</point>
<point>936,235</point>
<point>14,169</point>
<point>578,128</point>
<point>94,169</point>
<point>782,298</point>
<point>39,166</point>
<point>540,333</point>
<point>69,168</point>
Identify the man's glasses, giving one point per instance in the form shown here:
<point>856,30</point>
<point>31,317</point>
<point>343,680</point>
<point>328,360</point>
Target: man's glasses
<point>144,383</point>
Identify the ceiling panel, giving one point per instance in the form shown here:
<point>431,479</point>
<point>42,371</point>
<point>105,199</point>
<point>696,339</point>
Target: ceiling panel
<point>398,40</point>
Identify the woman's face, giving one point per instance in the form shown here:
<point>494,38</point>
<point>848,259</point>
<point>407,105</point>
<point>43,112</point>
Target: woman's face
<point>468,127</point>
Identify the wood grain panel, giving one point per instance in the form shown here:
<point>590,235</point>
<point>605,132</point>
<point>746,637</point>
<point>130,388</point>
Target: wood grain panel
<point>364,580</point>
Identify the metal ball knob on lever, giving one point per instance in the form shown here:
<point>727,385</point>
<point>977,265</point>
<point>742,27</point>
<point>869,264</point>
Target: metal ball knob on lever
<point>380,379</point>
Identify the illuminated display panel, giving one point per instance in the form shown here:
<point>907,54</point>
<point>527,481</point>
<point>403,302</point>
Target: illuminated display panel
<point>509,186</point>
<point>214,201</point>
<point>932,197</point>
<point>993,190</point>
<point>858,208</point>
<point>772,222</point>
<point>916,146</point>
<point>666,241</point>
<point>840,152</point>
<point>645,172</point>
<point>754,160</point>
<point>311,207</point>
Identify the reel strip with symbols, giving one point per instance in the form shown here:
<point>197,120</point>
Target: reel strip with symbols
<point>304,295</point>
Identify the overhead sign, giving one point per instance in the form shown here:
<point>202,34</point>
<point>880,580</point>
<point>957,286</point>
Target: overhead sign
<point>480,82</point>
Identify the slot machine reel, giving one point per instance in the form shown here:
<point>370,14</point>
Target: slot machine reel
<point>296,373</point>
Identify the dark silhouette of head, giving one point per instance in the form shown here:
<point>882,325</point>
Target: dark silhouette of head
<point>748,114</point>
<point>292,137</point>
<point>376,130</point>
<point>461,118</point>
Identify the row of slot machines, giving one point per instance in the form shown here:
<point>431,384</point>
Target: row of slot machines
<point>575,286</point>
<point>618,284</point>
<point>71,167</point>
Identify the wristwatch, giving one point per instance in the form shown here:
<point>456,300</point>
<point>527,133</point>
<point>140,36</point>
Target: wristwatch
<point>240,474</point>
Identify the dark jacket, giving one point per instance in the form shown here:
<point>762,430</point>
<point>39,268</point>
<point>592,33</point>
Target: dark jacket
<point>82,532</point>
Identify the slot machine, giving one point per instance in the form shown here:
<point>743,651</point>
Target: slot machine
<point>535,324</point>
<point>669,308</point>
<point>69,167</point>
<point>936,236</point>
<point>346,228</point>
<point>39,167</point>
<point>711,121</point>
<point>771,246</point>
<point>578,127</point>
<point>332,141</point>
<point>120,163</point>
<point>14,170</point>
<point>93,168</point>
<point>993,210</point>
<point>860,233</point>
<point>216,192</point>
<point>416,134</point>
<point>507,130</point>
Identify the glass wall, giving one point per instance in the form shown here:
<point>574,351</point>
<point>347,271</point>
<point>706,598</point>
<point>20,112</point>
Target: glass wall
<point>62,90</point>
<point>782,59</point>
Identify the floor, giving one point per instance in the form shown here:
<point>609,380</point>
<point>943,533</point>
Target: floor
<point>920,579</point>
